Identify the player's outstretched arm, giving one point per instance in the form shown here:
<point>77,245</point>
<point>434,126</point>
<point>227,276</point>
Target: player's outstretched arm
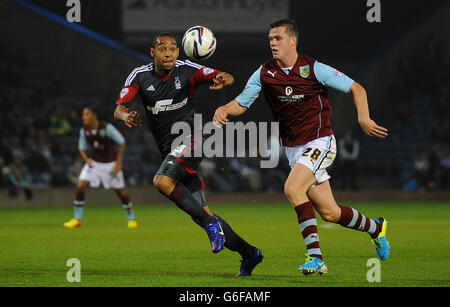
<point>233,108</point>
<point>131,119</point>
<point>367,124</point>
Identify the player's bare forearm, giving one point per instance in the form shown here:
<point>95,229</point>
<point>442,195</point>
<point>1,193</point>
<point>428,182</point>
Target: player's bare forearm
<point>360,100</point>
<point>233,108</point>
<point>121,153</point>
<point>228,79</point>
<point>85,157</point>
<point>118,165</point>
<point>131,119</point>
<point>362,107</point>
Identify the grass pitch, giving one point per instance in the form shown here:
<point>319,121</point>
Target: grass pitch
<point>168,249</point>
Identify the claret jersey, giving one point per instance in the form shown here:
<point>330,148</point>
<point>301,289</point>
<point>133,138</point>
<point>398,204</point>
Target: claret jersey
<point>298,97</point>
<point>102,142</point>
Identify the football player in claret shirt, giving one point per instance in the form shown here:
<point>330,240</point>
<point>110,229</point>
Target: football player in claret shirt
<point>103,166</point>
<point>166,88</point>
<point>295,87</point>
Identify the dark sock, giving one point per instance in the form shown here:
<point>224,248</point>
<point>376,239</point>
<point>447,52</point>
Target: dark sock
<point>183,198</point>
<point>234,242</point>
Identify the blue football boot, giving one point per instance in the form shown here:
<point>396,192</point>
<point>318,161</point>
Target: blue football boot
<point>381,244</point>
<point>313,265</point>
<point>216,235</point>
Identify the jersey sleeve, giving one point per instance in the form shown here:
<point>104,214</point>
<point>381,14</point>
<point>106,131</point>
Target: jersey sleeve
<point>251,90</point>
<point>114,134</point>
<point>331,77</point>
<point>199,74</point>
<point>82,143</point>
<point>130,88</point>
<point>127,94</point>
<point>204,75</point>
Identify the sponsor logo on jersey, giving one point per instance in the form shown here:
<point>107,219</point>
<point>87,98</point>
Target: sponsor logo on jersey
<point>166,105</point>
<point>298,96</point>
<point>289,97</point>
<point>289,90</point>
<point>304,71</point>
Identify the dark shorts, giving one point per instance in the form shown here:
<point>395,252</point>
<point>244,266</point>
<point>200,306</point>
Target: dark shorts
<point>182,166</point>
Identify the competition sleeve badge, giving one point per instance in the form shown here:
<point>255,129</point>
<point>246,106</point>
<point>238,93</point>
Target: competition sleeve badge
<point>304,71</point>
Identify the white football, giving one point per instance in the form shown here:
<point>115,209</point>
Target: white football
<point>199,43</point>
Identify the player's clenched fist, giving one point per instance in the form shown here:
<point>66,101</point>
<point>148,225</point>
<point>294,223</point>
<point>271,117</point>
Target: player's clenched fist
<point>133,119</point>
<point>221,80</point>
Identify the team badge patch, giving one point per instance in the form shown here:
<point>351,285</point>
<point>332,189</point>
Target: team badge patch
<point>304,71</point>
<point>337,73</point>
<point>207,71</point>
<point>124,91</point>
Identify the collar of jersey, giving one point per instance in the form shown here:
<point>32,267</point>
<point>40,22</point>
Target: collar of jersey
<point>166,77</point>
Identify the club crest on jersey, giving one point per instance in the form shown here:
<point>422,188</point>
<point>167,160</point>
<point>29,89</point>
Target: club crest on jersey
<point>304,71</point>
<point>177,83</point>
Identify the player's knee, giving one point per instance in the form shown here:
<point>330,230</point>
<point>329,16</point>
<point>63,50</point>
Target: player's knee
<point>164,184</point>
<point>121,192</point>
<point>82,186</point>
<point>293,191</point>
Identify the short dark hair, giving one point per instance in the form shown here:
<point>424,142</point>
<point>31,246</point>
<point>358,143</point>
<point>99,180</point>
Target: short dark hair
<point>289,24</point>
<point>93,108</point>
<point>158,35</point>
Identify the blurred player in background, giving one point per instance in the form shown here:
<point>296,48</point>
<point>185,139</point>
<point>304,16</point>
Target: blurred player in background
<point>104,166</point>
<point>295,87</point>
<point>166,88</point>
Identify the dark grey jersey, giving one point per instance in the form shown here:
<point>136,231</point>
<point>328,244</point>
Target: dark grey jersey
<point>167,100</point>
